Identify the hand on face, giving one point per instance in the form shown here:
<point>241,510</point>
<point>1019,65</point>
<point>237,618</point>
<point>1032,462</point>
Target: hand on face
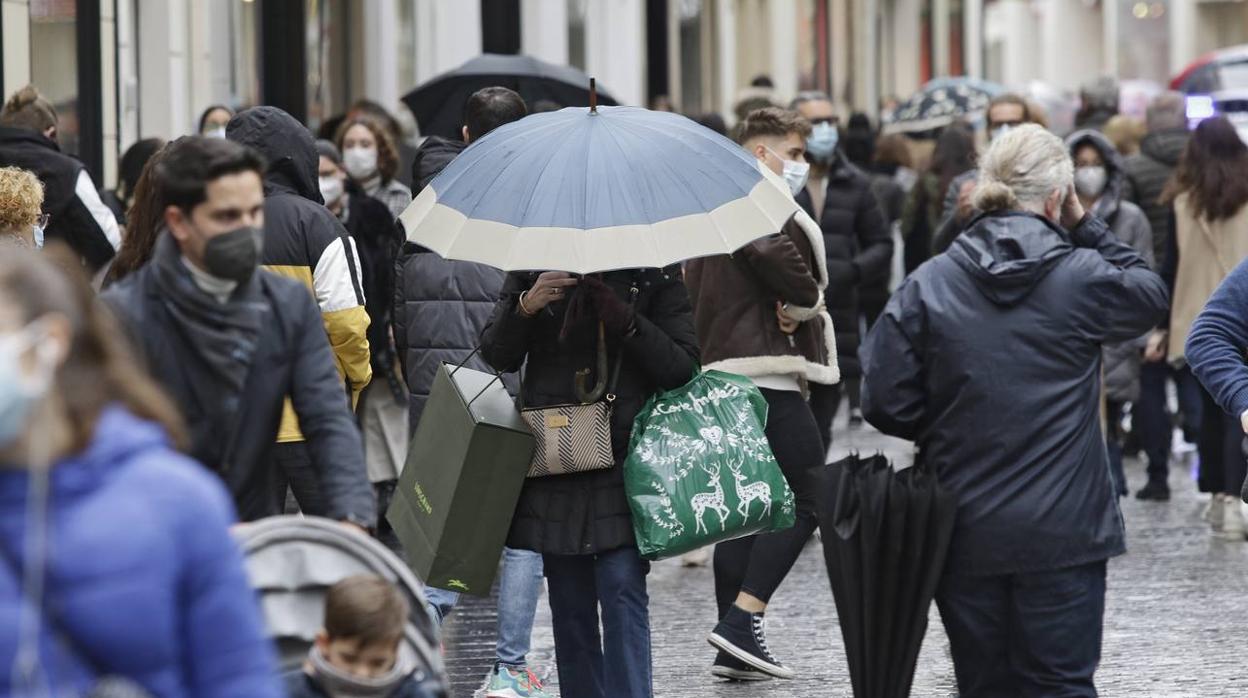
<point>549,287</point>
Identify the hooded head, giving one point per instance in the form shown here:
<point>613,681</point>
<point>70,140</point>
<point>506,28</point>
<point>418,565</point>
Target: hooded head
<point>286,145</point>
<point>1091,152</point>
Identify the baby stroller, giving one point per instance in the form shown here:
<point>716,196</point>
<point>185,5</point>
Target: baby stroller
<point>293,560</point>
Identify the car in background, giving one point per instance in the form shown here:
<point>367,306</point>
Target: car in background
<point>1217,83</point>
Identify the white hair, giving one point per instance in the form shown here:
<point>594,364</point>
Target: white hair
<point>1021,169</point>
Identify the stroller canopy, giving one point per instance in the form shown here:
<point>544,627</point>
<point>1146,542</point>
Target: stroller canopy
<point>292,562</point>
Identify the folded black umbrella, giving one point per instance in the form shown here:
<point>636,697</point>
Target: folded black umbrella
<point>885,537</point>
<point>438,104</point>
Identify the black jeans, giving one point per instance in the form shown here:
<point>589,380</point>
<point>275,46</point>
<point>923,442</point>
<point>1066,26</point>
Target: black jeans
<point>758,564</point>
<point>1034,634</point>
<point>292,465</point>
<point>825,400</point>
<point>1151,421</point>
<point>1222,462</point>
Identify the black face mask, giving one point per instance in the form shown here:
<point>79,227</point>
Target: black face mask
<point>234,255</point>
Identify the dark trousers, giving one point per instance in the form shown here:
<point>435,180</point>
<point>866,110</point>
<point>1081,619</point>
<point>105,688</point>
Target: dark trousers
<point>1023,635</point>
<point>1113,443</point>
<point>292,465</point>
<point>615,662</point>
<point>1222,462</point>
<point>758,564</point>
<point>1151,421</point>
<point>825,400</point>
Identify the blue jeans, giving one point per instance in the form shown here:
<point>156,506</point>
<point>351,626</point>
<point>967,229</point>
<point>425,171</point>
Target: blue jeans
<point>518,591</point>
<point>1033,634</point>
<point>618,657</point>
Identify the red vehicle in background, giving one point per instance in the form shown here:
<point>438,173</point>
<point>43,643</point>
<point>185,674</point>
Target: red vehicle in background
<point>1217,83</point>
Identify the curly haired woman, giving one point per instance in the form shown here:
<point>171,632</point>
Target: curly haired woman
<point>21,207</point>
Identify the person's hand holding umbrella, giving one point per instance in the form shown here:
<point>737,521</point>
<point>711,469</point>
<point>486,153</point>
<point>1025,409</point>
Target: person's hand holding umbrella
<point>549,287</point>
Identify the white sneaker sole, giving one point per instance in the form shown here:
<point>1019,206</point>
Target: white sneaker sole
<point>505,693</point>
<point>741,655</point>
<point>730,674</point>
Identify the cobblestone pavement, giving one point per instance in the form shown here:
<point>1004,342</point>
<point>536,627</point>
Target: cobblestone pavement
<point>1173,624</point>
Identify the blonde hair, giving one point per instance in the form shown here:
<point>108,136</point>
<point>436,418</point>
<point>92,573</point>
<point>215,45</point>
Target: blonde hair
<point>1021,169</point>
<point>21,199</point>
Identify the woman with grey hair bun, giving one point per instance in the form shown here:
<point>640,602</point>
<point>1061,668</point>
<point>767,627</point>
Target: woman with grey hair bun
<point>989,358</point>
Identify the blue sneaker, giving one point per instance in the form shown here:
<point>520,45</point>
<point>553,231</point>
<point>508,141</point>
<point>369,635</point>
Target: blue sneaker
<point>513,682</point>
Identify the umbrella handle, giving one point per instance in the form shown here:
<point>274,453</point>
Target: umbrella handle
<point>593,95</point>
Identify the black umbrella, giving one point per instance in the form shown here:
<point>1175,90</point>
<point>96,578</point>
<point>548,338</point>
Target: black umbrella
<point>941,102</point>
<point>885,536</point>
<point>439,103</point>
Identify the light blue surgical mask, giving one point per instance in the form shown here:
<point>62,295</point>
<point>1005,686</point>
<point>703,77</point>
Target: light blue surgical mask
<point>822,142</point>
<point>37,231</point>
<point>795,173</point>
<point>18,391</point>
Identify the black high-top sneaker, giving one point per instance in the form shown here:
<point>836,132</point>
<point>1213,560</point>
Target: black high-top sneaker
<point>741,635</point>
<point>730,668</point>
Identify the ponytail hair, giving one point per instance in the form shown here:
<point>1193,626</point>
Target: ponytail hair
<point>1021,169</point>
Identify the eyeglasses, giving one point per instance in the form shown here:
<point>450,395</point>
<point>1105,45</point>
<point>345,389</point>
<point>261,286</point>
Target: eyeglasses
<point>42,220</point>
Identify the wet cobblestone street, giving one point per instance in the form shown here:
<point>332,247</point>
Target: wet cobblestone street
<point>1173,624</point>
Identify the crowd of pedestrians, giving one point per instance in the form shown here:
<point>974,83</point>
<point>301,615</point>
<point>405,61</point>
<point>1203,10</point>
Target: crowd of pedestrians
<point>240,328</point>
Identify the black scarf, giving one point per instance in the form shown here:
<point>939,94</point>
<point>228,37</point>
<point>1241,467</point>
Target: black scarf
<point>223,335</point>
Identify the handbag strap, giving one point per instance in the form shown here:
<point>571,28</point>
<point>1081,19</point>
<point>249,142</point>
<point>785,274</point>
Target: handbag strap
<point>633,292</point>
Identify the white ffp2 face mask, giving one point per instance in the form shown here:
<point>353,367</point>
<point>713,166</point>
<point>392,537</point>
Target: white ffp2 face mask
<point>1090,181</point>
<point>360,162</point>
<point>331,189</point>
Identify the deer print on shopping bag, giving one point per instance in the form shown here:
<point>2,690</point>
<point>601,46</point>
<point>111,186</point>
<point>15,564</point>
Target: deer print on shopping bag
<point>713,500</point>
<point>746,494</point>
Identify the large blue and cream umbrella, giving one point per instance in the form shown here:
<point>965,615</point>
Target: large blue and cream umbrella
<point>587,191</point>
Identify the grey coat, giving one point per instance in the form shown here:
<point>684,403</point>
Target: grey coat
<point>1131,227</point>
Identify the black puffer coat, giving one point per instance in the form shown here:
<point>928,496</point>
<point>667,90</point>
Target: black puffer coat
<point>859,247</point>
<point>1148,171</point>
<point>989,358</point>
<point>587,513</point>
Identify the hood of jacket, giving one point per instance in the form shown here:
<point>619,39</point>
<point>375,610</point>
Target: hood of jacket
<point>1165,147</point>
<point>1116,175</point>
<point>286,145</point>
<point>1008,254</point>
<point>118,438</point>
<point>433,155</point>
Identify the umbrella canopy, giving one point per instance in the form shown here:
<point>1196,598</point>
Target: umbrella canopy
<point>438,104</point>
<point>583,192</point>
<point>293,560</point>
<point>885,536</point>
<point>941,102</point>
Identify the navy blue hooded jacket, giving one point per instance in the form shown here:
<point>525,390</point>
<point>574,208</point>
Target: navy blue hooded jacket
<point>989,357</point>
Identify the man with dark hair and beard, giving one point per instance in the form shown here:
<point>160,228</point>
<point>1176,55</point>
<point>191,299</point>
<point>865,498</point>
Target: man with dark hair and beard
<point>229,341</point>
<point>858,243</point>
<point>441,307</point>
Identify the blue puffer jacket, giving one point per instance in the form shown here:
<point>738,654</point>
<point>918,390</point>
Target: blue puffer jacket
<point>142,575</point>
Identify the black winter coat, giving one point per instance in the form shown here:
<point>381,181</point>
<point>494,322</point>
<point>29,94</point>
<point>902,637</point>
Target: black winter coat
<point>1148,171</point>
<point>859,247</point>
<point>69,219</point>
<point>441,305</point>
<point>377,239</point>
<point>989,358</point>
<point>292,358</point>
<point>587,513</point>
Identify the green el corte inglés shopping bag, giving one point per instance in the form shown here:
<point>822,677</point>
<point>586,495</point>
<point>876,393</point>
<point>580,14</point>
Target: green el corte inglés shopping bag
<point>700,470</point>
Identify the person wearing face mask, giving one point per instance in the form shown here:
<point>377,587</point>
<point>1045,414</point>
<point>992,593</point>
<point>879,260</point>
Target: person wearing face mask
<point>370,156</point>
<point>383,404</point>
<point>229,341</point>
<point>212,122</point>
<point>989,358</point>
<point>76,215</point>
<point>304,241</point>
<point>21,219</point>
<point>759,313</point>
<point>1005,112</point>
<point>105,528</point>
<point>1099,183</point>
<point>859,247</point>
